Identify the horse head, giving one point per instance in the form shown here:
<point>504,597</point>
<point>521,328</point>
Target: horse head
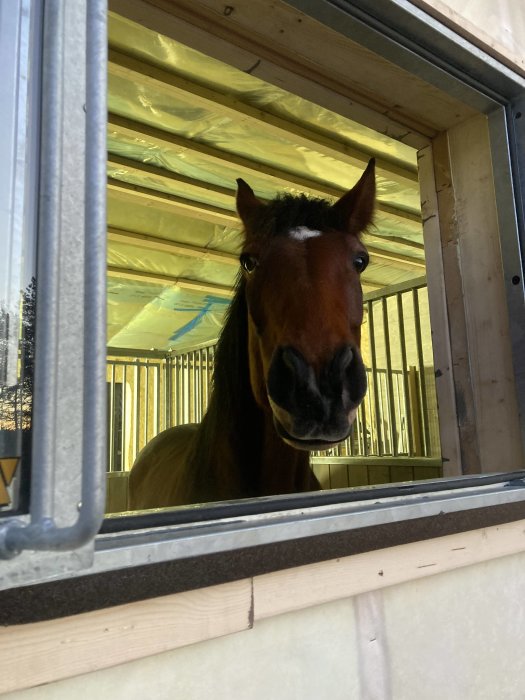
<point>301,262</point>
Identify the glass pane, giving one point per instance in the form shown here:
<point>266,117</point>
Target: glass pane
<point>17,262</point>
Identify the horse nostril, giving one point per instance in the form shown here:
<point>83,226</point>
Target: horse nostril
<point>288,377</point>
<point>291,359</point>
<point>346,358</point>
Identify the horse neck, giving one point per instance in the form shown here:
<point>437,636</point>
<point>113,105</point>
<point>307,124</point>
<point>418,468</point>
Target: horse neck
<point>282,469</point>
<point>237,451</point>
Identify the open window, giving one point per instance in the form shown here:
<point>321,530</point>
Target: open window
<point>198,98</point>
<point>182,128</point>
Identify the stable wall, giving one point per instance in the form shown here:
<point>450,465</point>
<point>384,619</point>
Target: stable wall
<point>401,642</point>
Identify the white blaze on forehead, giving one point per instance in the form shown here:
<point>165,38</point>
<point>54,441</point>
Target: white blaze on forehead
<point>301,233</point>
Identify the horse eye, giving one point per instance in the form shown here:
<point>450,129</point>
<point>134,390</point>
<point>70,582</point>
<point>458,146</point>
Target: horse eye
<point>361,262</point>
<point>248,262</point>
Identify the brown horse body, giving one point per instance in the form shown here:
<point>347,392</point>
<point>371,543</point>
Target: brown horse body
<point>288,373</point>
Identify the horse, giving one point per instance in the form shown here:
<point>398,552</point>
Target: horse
<point>288,375</point>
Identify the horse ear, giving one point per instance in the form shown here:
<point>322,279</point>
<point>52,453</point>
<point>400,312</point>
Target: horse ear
<point>355,209</point>
<point>247,203</point>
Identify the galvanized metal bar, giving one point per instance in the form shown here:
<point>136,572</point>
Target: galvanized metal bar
<point>415,408</point>
<point>204,388</point>
<point>206,378</point>
<point>421,369</point>
<point>201,383</point>
<point>397,378</point>
<point>194,418</point>
<point>177,389</point>
<point>187,389</point>
<point>404,367</point>
<point>157,396</point>
<point>375,390</point>
<point>111,436</point>
<point>42,533</point>
<point>137,409</point>
<point>123,421</point>
<point>46,369</point>
<point>390,384</point>
<point>406,286</point>
<point>168,390</point>
<point>146,405</point>
<point>123,441</point>
<point>363,414</point>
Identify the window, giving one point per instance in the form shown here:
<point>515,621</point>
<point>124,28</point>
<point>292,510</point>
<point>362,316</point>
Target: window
<point>448,136</point>
<point>17,267</point>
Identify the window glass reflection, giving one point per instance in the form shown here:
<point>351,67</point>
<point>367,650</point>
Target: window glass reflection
<point>18,191</point>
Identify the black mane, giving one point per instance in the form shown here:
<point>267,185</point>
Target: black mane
<point>231,401</point>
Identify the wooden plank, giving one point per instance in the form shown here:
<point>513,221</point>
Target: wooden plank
<point>49,651</point>
<point>427,473</point>
<point>357,475</point>
<point>282,37</point>
<point>314,584</point>
<point>398,474</point>
<point>378,474</point>
<point>339,476</point>
<point>322,472</point>
<point>117,492</point>
<point>437,300</point>
<point>484,299</point>
<point>467,458</point>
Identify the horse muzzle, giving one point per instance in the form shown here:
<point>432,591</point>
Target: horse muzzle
<point>314,411</point>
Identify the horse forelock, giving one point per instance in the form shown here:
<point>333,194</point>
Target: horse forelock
<point>289,212</point>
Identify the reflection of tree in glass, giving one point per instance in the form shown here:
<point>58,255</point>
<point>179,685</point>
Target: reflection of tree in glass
<point>16,400</point>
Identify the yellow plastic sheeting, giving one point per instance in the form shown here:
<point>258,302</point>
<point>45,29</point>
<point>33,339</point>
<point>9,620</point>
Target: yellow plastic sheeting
<point>139,217</point>
<point>173,162</point>
<point>147,105</point>
<point>155,48</point>
<point>152,317</point>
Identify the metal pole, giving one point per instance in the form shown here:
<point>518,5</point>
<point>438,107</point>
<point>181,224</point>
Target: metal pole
<point>390,384</point>
<point>42,533</point>
<point>421,368</point>
<point>375,393</point>
<point>404,367</point>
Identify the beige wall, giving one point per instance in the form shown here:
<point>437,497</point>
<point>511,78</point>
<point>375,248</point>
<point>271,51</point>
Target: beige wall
<point>499,25</point>
<point>402,642</point>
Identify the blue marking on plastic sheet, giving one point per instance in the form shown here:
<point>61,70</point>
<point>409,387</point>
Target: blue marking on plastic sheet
<point>209,303</point>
